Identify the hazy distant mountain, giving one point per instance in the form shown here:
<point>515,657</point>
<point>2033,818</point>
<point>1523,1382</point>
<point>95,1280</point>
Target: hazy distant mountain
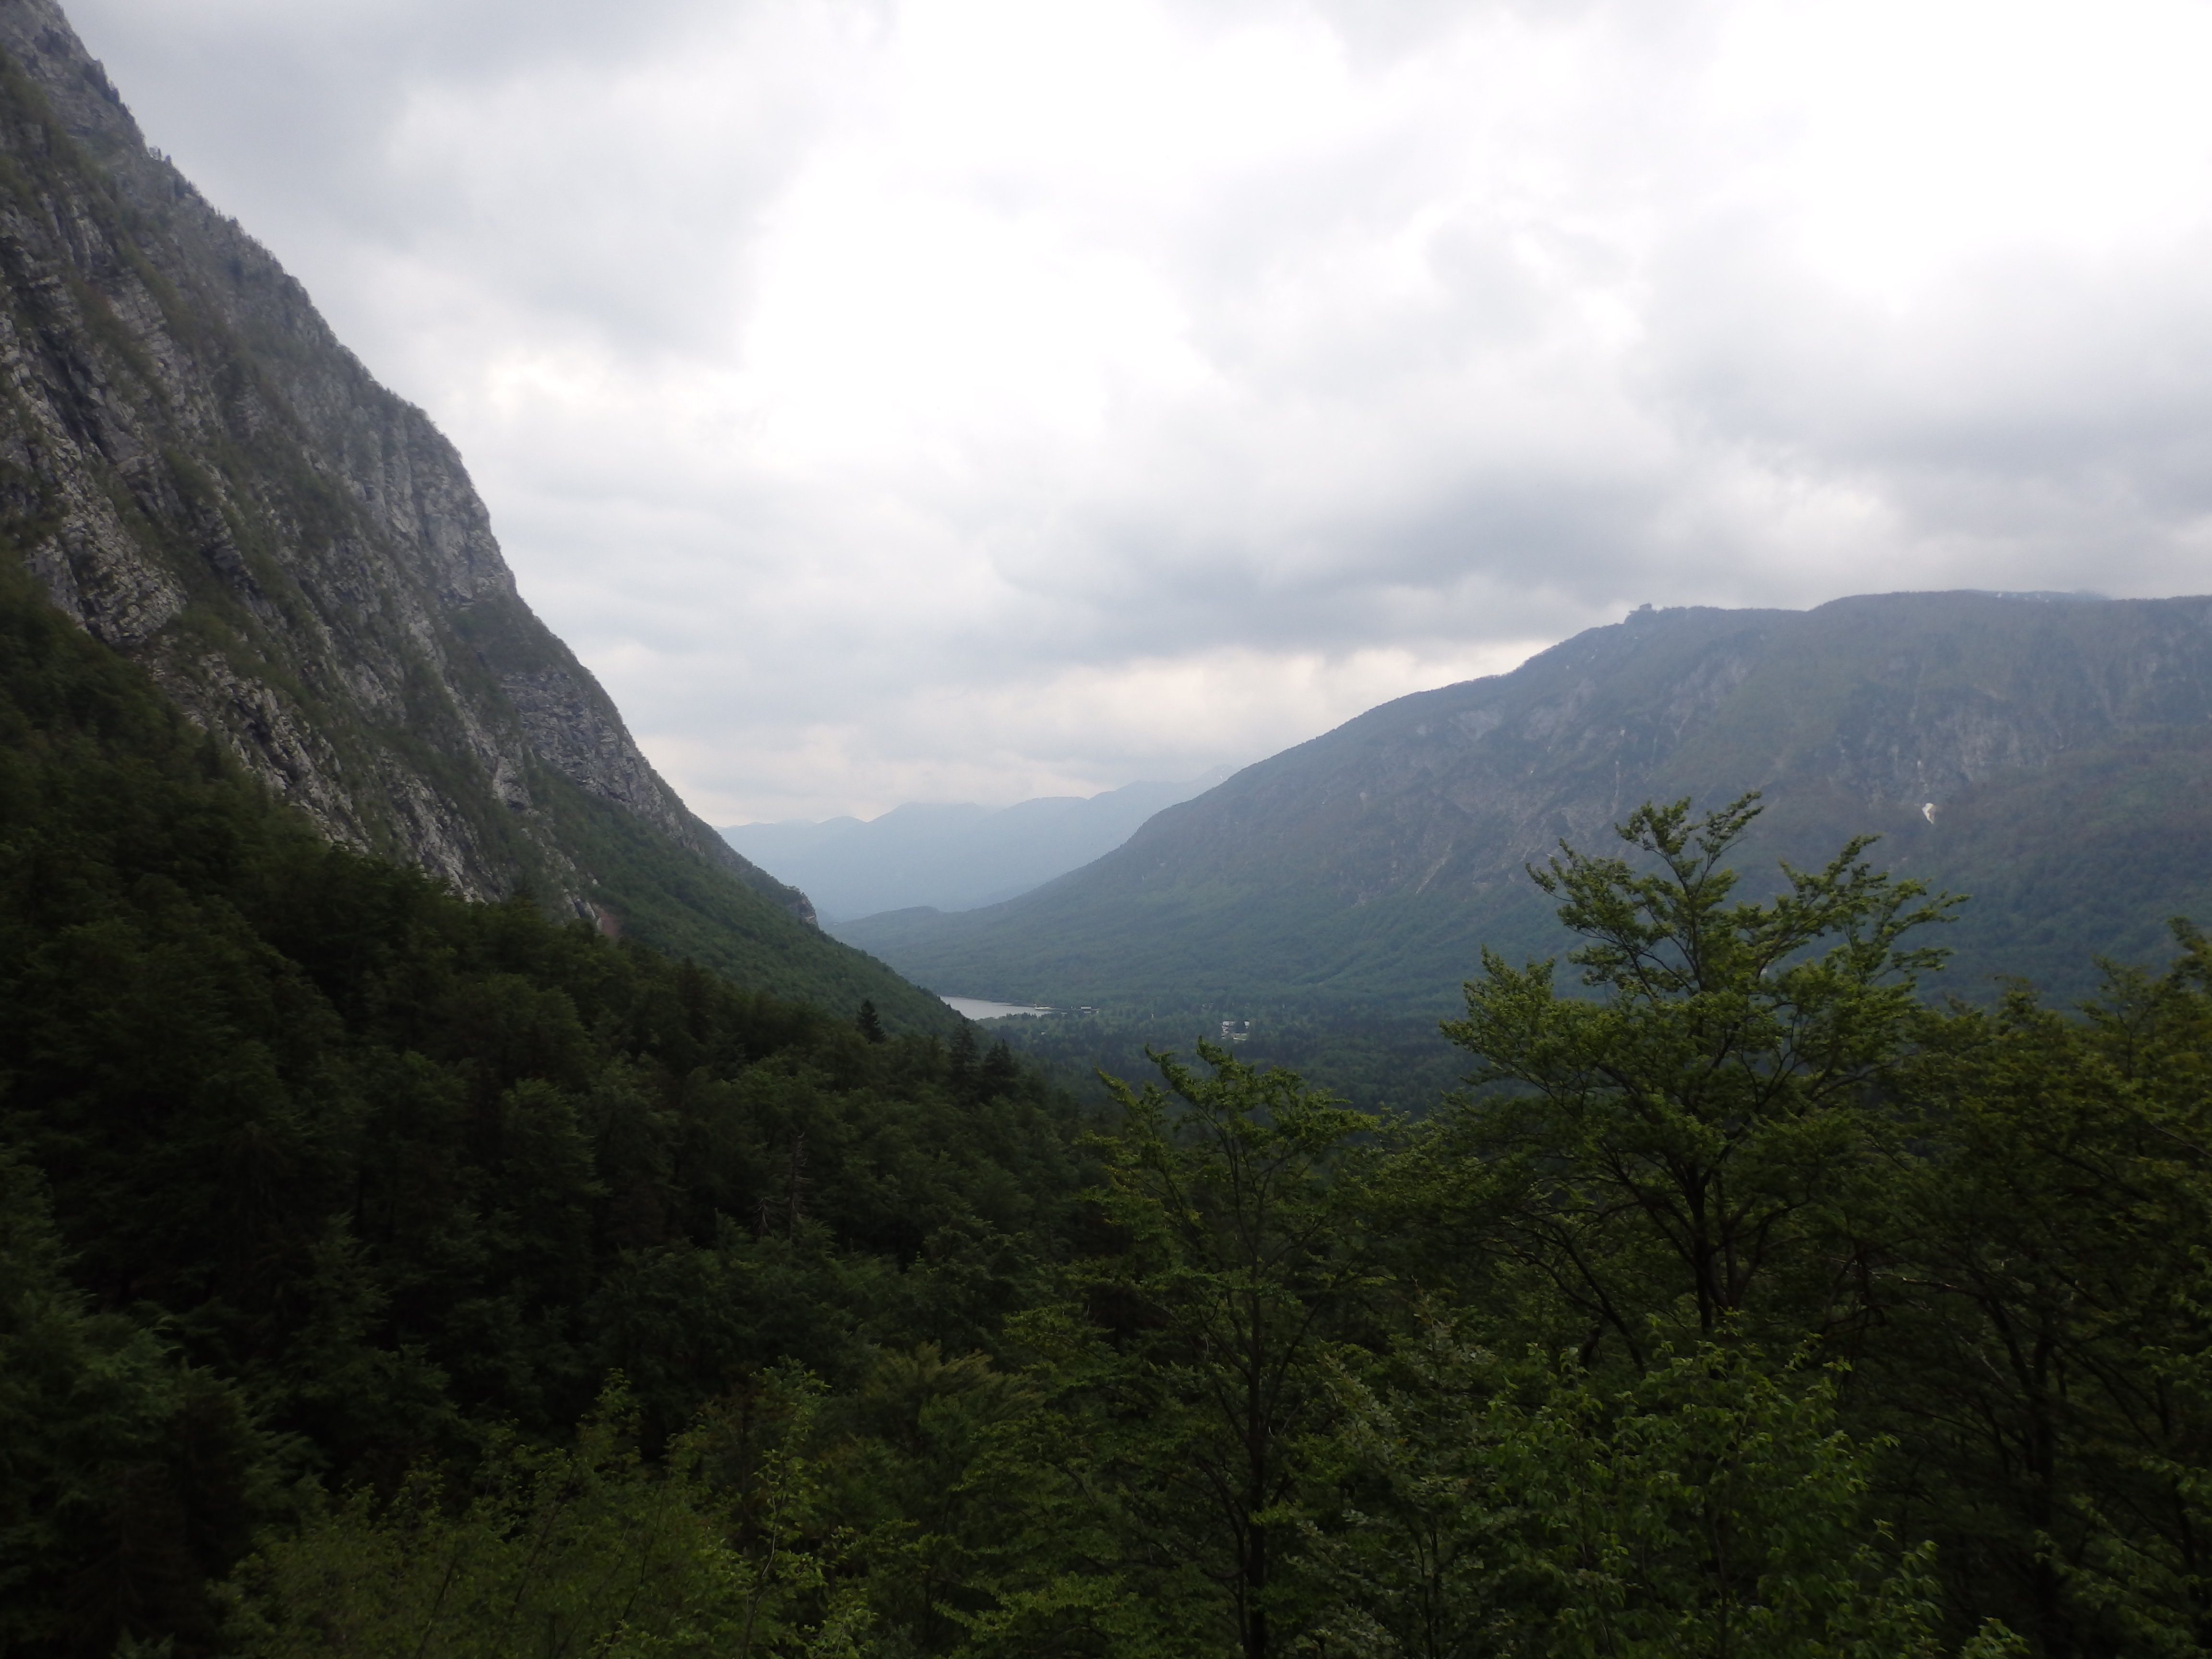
<point>2050,756</point>
<point>952,858</point>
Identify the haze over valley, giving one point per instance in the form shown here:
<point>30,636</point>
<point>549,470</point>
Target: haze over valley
<point>951,400</point>
<point>952,857</point>
<point>1666,1112</point>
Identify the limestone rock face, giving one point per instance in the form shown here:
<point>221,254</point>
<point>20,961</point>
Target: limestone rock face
<point>207,480</point>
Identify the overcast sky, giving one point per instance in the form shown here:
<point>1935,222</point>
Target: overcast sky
<point>971,399</point>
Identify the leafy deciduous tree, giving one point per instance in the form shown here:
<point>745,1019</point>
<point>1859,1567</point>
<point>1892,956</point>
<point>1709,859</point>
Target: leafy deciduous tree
<point>1689,1128</point>
<point>1240,1191</point>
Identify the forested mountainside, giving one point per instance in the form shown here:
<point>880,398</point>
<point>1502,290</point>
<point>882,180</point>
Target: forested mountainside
<point>206,481</point>
<point>2049,758</point>
<point>385,1274</point>
<point>309,1168</point>
<point>391,1268</point>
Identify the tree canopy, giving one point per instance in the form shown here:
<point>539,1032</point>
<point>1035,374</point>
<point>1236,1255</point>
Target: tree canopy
<point>387,1275</point>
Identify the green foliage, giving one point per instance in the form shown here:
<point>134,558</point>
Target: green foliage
<point>401,1171</point>
<point>126,1479</point>
<point>673,902</point>
<point>2046,1358</point>
<point>1239,1191</point>
<point>1354,877</point>
<point>328,1205</point>
<point>1712,1507</point>
<point>1383,1058</point>
<point>1699,1124</point>
<point>939,1466</point>
<point>586,1549</point>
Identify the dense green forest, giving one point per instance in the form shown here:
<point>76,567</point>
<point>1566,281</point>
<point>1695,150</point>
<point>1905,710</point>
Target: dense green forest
<point>383,1274</point>
<point>1383,1058</point>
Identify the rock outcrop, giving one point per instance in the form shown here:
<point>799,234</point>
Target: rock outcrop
<point>2050,756</point>
<point>206,479</point>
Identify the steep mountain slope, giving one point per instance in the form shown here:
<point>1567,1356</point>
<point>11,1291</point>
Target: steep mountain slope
<point>2049,758</point>
<point>206,480</point>
<point>953,857</point>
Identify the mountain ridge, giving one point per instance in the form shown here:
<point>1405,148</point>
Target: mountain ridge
<point>953,857</point>
<point>206,480</point>
<point>1373,862</point>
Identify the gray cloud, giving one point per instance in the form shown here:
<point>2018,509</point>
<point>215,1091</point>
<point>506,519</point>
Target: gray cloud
<point>960,398</point>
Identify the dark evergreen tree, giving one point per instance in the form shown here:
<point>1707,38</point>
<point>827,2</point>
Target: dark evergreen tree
<point>286,1126</point>
<point>999,1072</point>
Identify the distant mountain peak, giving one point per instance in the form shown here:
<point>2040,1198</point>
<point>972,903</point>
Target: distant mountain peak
<point>2049,757</point>
<point>953,856</point>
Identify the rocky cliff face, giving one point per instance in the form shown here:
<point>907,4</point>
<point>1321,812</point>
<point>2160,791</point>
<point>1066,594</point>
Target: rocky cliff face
<point>207,480</point>
<point>2053,758</point>
<point>1879,709</point>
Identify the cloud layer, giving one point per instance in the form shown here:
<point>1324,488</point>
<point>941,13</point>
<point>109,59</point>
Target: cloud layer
<point>971,399</point>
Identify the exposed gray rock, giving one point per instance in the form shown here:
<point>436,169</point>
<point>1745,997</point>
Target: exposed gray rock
<point>2053,758</point>
<point>206,479</point>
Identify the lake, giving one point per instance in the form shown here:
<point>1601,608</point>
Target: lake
<point>976,1008</point>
